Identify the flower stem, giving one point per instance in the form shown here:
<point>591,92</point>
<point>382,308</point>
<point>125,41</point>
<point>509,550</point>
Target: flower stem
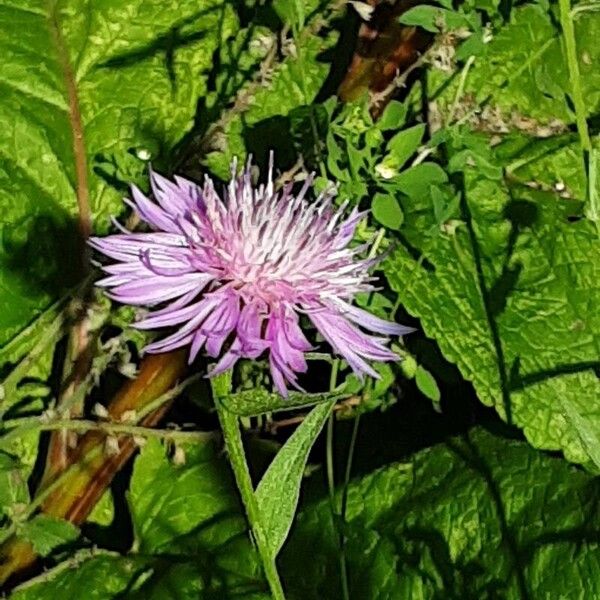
<point>221,386</point>
<point>331,485</point>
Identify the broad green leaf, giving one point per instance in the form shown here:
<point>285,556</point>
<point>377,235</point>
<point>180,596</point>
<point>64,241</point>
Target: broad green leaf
<point>387,211</point>
<point>168,501</point>
<point>279,489</point>
<point>48,533</point>
<point>250,403</point>
<point>189,530</point>
<point>95,574</point>
<point>122,79</point>
<point>511,299</point>
<point>521,80</point>
<point>475,517</point>
<point>180,510</point>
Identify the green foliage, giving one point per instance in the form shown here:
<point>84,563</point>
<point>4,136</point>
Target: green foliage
<point>48,533</point>
<point>474,517</point>
<point>483,291</point>
<point>136,87</point>
<point>481,193</point>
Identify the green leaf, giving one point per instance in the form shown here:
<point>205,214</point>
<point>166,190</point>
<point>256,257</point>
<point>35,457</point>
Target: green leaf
<point>511,299</point>
<point>427,384</point>
<point>47,533</point>
<point>13,484</point>
<point>250,403</point>
<point>393,117</point>
<point>434,18</point>
<point>292,12</point>
<point>177,509</point>
<point>474,517</point>
<point>167,501</point>
<point>416,181</point>
<point>387,211</point>
<point>521,81</point>
<point>405,143</point>
<point>590,440</point>
<point>279,489</point>
<point>75,68</point>
<point>97,574</point>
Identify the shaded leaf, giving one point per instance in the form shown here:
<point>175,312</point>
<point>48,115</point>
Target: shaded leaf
<point>476,517</point>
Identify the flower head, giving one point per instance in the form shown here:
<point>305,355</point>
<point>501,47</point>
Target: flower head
<point>234,273</point>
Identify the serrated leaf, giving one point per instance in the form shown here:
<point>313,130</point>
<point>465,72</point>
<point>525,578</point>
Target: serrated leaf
<point>85,86</point>
<point>251,403</point>
<point>523,74</point>
<point>47,533</point>
<point>102,577</point>
<point>513,302</point>
<point>182,509</point>
<point>475,517</point>
<point>264,123</point>
<point>279,489</point>
<point>169,501</point>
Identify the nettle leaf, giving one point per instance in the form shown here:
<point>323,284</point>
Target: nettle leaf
<point>511,298</point>
<point>523,74</point>
<point>96,574</point>
<point>168,502</point>
<point>191,513</point>
<point>126,77</point>
<point>474,517</point>
<point>279,489</point>
<point>47,533</point>
<point>263,122</point>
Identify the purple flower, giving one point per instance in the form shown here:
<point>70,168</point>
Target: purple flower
<point>235,274</point>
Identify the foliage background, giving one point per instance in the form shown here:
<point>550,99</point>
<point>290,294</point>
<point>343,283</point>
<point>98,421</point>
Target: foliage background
<point>469,469</point>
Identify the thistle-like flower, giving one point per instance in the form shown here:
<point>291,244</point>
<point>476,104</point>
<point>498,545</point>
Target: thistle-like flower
<point>236,272</point>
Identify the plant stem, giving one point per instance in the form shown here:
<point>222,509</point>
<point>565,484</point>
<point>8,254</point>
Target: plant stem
<point>331,484</point>
<point>568,31</point>
<point>221,386</point>
<point>28,424</point>
<point>23,425</point>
